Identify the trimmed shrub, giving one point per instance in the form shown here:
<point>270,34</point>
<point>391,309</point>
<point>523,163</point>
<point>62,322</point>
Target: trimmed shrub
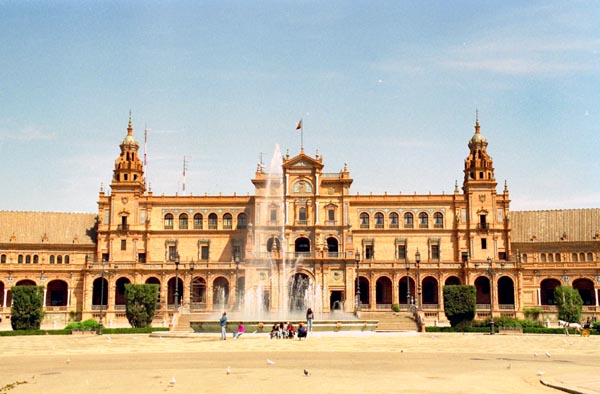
<point>396,308</point>
<point>26,311</point>
<point>86,325</point>
<point>141,303</point>
<point>569,303</point>
<point>459,305</point>
<point>532,313</point>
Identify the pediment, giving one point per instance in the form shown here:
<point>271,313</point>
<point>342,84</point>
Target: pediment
<point>302,161</point>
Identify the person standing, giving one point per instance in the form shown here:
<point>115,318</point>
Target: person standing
<point>223,323</point>
<point>309,318</point>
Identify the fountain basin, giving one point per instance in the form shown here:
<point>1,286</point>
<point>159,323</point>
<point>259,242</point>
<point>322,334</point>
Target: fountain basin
<point>266,325</point>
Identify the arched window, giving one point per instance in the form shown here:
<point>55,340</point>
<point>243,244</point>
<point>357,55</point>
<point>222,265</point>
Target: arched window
<point>198,221</point>
<point>543,257</point>
<point>379,220</point>
<point>364,220</point>
<point>36,259</point>
<point>168,221</point>
<point>67,259</point>
<point>183,221</point>
<point>3,259</point>
<point>20,259</point>
<point>51,259</point>
<point>438,220</point>
<point>574,257</point>
<point>242,221</point>
<point>423,220</point>
<point>28,259</point>
<point>394,220</point>
<point>59,259</point>
<point>212,221</point>
<point>408,220</point>
<point>302,187</point>
<point>590,256</point>
<point>557,257</point>
<point>227,221</point>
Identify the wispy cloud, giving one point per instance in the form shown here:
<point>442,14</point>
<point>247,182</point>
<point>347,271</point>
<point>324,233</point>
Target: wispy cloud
<point>27,134</point>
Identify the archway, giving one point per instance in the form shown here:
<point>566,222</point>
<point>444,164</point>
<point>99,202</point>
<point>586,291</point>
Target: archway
<point>57,293</point>
<point>120,292</point>
<point>302,245</point>
<point>402,286</point>
<point>99,292</point>
<point>383,292</point>
<point>171,291</point>
<point>452,281</point>
<point>547,288</point>
<point>298,292</point>
<point>363,285</point>
<point>198,292</point>
<point>586,290</point>
<point>332,247</point>
<point>25,282</point>
<point>273,243</point>
<point>482,288</point>
<point>430,291</point>
<point>2,294</point>
<point>506,291</point>
<point>220,293</point>
<point>155,281</point>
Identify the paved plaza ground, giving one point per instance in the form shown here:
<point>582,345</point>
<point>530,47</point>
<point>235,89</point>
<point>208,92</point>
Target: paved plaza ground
<point>336,362</point>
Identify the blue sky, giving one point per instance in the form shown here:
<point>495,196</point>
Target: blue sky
<point>389,87</point>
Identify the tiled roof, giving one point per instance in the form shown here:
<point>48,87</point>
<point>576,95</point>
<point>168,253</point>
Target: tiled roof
<point>575,225</point>
<point>21,227</point>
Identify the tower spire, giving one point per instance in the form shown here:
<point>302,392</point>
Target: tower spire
<point>477,131</point>
<point>129,125</point>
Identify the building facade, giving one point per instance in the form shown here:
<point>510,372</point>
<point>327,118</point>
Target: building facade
<point>301,240</point>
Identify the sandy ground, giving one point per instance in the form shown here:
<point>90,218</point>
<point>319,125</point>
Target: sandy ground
<point>337,363</point>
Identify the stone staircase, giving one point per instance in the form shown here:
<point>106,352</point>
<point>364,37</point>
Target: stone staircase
<point>391,321</point>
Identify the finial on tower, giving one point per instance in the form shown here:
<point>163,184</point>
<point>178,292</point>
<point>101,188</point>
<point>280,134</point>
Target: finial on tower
<point>477,121</point>
<point>505,186</point>
<point>129,126</point>
<point>455,186</point>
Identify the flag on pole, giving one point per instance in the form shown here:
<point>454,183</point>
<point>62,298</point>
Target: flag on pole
<point>299,126</point>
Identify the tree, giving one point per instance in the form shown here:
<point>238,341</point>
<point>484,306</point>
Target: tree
<point>459,304</point>
<point>26,310</point>
<point>141,303</point>
<point>569,303</point>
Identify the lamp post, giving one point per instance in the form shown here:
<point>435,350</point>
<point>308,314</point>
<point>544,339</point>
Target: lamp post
<point>418,260</point>
<point>192,266</point>
<point>490,271</point>
<point>407,285</point>
<point>237,290</point>
<point>176,281</point>
<point>357,260</point>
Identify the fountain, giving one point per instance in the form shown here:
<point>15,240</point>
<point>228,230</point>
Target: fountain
<point>279,289</point>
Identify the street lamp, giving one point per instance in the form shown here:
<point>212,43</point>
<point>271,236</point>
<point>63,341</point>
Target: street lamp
<point>357,260</point>
<point>490,272</point>
<point>418,260</point>
<point>407,285</point>
<point>176,281</point>
<point>237,290</point>
<point>192,266</point>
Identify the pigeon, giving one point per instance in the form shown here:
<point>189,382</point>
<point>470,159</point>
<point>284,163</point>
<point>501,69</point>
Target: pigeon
<point>548,354</point>
<point>228,370</point>
<point>68,360</point>
<point>534,354</point>
<point>509,366</point>
<point>270,362</point>
<point>172,380</point>
<point>540,373</point>
<point>306,373</point>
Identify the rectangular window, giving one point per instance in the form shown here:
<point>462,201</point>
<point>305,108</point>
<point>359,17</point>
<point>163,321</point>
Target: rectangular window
<point>402,252</point>
<point>104,257</point>
<point>483,243</point>
<point>123,244</point>
<point>465,257</point>
<point>172,252</point>
<point>142,216</point>
<point>236,252</point>
<point>435,252</point>
<point>273,215</point>
<point>204,252</point>
<point>142,257</point>
<point>500,215</point>
<point>502,255</point>
<point>331,214</point>
<point>463,215</point>
<point>369,252</point>
<point>107,216</point>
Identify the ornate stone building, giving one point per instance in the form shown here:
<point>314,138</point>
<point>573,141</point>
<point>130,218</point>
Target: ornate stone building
<point>301,240</point>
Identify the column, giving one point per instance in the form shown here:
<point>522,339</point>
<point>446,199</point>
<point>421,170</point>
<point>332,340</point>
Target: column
<point>69,297</point>
<point>6,296</point>
<point>539,296</point>
<point>45,293</point>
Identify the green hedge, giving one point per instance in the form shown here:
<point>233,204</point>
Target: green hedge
<point>526,330</point>
<point>145,330</point>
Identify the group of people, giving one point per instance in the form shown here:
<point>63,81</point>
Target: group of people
<point>279,330</point>
<point>288,331</point>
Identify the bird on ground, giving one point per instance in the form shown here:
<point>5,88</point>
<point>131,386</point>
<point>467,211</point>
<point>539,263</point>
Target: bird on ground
<point>270,362</point>
<point>172,380</point>
<point>534,354</point>
<point>548,354</point>
<point>68,360</point>
<point>540,373</point>
<point>228,370</point>
<point>509,366</point>
<point>306,373</point>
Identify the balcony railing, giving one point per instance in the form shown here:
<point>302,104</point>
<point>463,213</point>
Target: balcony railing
<point>483,307</point>
<point>483,226</point>
<point>123,227</point>
<point>409,225</point>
